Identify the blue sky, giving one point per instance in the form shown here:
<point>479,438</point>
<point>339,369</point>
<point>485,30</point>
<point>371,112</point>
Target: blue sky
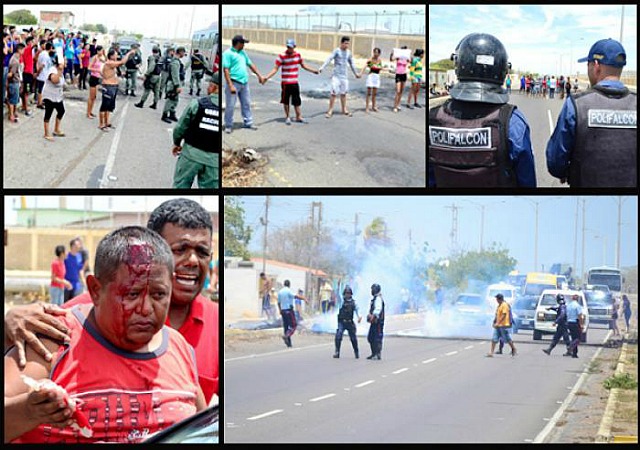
<point>508,220</point>
<point>242,10</point>
<point>538,38</point>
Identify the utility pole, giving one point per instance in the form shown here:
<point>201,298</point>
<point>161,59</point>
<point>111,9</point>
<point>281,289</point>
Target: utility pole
<point>619,235</point>
<point>264,238</point>
<point>315,239</point>
<point>454,227</point>
<point>575,239</point>
<point>355,234</point>
<point>583,234</point>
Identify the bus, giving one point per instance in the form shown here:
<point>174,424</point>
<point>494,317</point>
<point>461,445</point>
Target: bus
<point>206,41</point>
<point>536,282</point>
<point>610,276</point>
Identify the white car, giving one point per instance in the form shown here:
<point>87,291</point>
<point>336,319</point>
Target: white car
<point>544,318</point>
<point>508,292</point>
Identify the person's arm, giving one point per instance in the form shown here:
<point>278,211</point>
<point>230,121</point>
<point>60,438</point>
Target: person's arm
<point>561,143</point>
<point>201,402</point>
<point>309,69</point>
<point>521,151</point>
<point>25,410</point>
<point>254,69</point>
<point>182,126</point>
<point>124,60</point>
<point>326,63</point>
<point>227,77</point>
<point>365,67</point>
<point>270,74</point>
<point>353,66</point>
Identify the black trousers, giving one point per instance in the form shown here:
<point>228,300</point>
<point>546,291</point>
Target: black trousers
<point>574,330</point>
<point>376,332</point>
<point>350,327</point>
<point>561,332</point>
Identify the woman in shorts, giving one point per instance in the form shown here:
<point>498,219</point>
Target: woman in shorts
<point>53,98</point>
<point>415,74</point>
<point>95,65</point>
<point>110,86</point>
<point>401,77</point>
<point>374,64</point>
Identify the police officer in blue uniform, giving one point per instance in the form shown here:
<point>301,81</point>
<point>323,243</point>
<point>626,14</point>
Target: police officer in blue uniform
<point>376,321</point>
<point>575,322</point>
<point>595,140</point>
<point>477,139</point>
<point>561,326</point>
<point>345,322</point>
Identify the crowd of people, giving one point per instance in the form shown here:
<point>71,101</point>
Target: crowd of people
<point>236,65</point>
<point>547,86</point>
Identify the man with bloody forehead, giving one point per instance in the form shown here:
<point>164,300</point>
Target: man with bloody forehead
<point>186,227</point>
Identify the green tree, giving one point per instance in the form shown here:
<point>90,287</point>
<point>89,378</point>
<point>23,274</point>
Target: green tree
<point>443,64</point>
<point>236,234</point>
<point>376,234</point>
<point>20,17</point>
<point>88,27</point>
<point>101,28</point>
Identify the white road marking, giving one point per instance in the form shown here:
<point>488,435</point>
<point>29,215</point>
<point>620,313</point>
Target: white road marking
<point>429,360</point>
<point>323,397</point>
<point>111,158</point>
<point>400,371</point>
<point>550,122</point>
<point>469,347</point>
<point>267,414</point>
<point>365,383</point>
<point>451,353</point>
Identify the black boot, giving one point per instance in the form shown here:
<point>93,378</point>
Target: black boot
<point>154,105</point>
<point>138,105</point>
<point>165,118</point>
<point>133,94</point>
<point>198,93</point>
<point>172,116</point>
<point>190,91</point>
<point>357,353</point>
<point>336,354</point>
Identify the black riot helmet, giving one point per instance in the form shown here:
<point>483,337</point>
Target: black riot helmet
<point>481,67</point>
<point>375,289</point>
<point>560,299</point>
<point>347,291</point>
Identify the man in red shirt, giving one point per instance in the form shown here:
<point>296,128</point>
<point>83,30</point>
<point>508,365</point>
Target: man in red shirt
<point>289,62</point>
<point>187,228</point>
<point>27,75</point>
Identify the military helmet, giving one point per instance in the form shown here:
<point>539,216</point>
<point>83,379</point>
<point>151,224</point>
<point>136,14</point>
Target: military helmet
<point>481,66</point>
<point>375,289</point>
<point>347,290</point>
<point>560,299</point>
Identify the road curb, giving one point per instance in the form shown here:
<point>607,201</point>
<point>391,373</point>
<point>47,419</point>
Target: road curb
<point>604,435</point>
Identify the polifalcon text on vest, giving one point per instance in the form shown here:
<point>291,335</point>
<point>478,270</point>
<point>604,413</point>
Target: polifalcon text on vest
<point>609,118</point>
<point>460,137</point>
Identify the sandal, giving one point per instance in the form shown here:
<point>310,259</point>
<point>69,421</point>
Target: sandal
<point>328,114</point>
<point>348,114</point>
<point>110,126</point>
<point>49,138</point>
<point>60,134</point>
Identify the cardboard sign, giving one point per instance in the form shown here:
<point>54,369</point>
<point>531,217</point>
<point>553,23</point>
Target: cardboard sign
<point>402,53</point>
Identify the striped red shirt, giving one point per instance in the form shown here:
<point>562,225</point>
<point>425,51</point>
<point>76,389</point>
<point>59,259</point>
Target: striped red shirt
<point>290,66</point>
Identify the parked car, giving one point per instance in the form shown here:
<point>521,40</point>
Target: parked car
<point>201,428</point>
<point>508,292</point>
<point>544,320</point>
<point>473,308</point>
<point>600,306</point>
<point>524,311</point>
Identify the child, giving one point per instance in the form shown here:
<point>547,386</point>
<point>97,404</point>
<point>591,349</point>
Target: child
<point>415,74</point>
<point>401,77</point>
<point>374,64</point>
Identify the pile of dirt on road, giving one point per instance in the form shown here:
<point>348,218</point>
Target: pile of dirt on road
<point>243,168</point>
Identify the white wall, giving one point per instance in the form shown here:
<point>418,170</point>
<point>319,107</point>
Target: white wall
<point>241,298</point>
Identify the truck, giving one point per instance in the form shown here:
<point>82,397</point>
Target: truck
<point>610,276</point>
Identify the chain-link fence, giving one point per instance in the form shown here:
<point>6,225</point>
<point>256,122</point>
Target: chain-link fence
<point>400,23</point>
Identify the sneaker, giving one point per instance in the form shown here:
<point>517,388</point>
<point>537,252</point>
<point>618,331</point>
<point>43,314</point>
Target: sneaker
<point>251,127</point>
<point>547,351</point>
<point>567,354</point>
<point>417,105</point>
<point>227,130</point>
<point>574,356</point>
<point>336,355</point>
<point>409,106</point>
<point>28,113</point>
<point>288,121</point>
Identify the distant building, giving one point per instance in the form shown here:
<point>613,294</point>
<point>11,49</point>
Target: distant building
<point>56,19</point>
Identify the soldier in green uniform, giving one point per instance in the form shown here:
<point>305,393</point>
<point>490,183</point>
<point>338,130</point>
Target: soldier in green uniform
<point>151,79</point>
<point>197,71</point>
<point>132,70</point>
<point>199,126</point>
<point>165,62</point>
<point>173,87</point>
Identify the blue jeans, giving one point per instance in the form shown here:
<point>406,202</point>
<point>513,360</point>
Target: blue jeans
<point>243,94</point>
<point>57,295</point>
<point>5,72</point>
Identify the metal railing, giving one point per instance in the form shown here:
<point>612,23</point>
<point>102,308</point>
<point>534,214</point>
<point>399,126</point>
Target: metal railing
<point>401,23</point>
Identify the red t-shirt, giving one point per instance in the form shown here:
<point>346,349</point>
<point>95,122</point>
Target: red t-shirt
<point>125,396</point>
<point>290,67</point>
<point>59,270</point>
<point>27,59</point>
<point>200,329</point>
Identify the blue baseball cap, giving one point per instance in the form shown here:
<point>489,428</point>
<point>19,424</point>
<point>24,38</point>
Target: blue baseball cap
<point>608,52</point>
<point>291,43</point>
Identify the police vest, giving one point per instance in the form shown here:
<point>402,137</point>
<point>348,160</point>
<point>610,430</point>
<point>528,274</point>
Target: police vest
<point>372,307</point>
<point>158,67</point>
<point>201,133</point>
<point>196,63</point>
<point>133,61</point>
<point>347,310</point>
<point>469,146</point>
<point>166,63</point>
<point>605,152</point>
<point>181,70</point>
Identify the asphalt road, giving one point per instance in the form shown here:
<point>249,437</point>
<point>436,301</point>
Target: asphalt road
<point>423,390</point>
<point>137,154</point>
<point>366,150</point>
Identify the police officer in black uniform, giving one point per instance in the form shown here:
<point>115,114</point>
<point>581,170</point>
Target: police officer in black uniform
<point>477,139</point>
<point>595,141</point>
<point>376,321</point>
<point>345,321</point>
<point>197,71</point>
<point>132,65</point>
<point>562,330</point>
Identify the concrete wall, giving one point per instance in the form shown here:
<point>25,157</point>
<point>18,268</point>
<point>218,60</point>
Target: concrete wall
<point>241,297</point>
<point>361,44</point>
